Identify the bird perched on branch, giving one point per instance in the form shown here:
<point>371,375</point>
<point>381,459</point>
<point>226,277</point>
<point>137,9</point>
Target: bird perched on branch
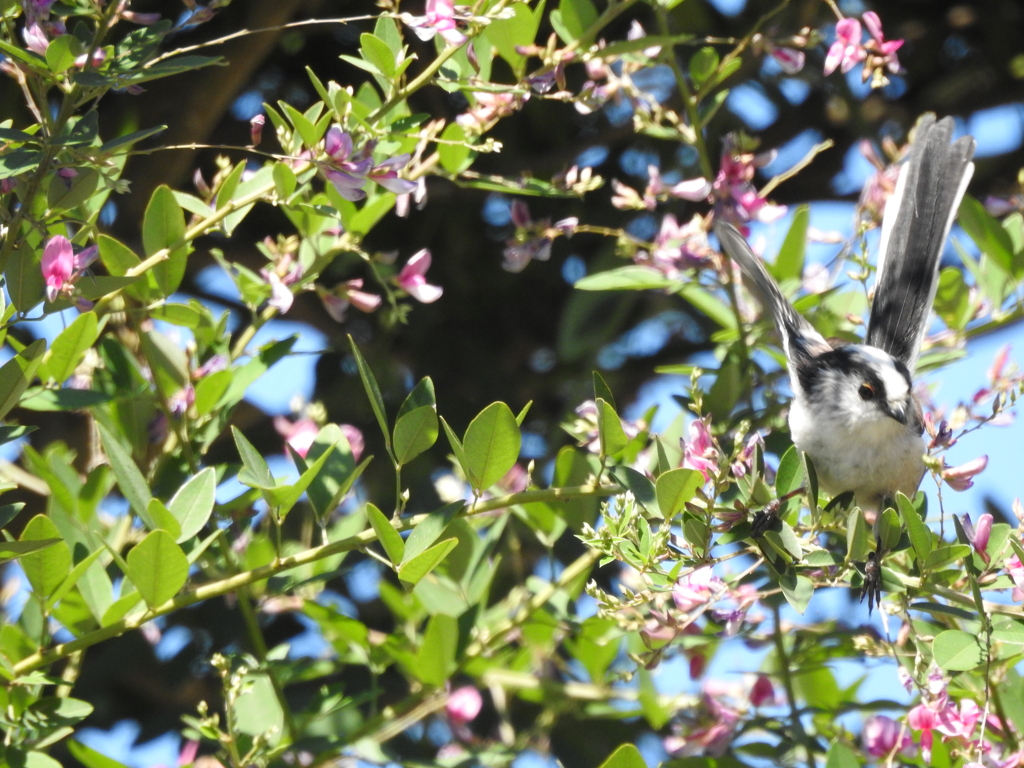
<point>854,411</point>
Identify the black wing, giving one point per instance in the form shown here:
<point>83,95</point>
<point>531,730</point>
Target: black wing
<point>799,338</point>
<point>915,226</point>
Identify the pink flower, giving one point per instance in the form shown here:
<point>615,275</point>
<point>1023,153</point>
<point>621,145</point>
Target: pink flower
<point>883,49</point>
<point>712,739</point>
<point>299,435</point>
<point>439,20</point>
<point>213,365</point>
<point>847,50</point>
<point>345,169</point>
<point>61,266</point>
<point>881,737</point>
<point>995,373</point>
<point>386,174</point>
<point>700,452</point>
<point>256,130</point>
<point>742,464</point>
<point>696,588</point>
<point>143,19</point>
<point>677,247</point>
<point>418,196</point>
<point>736,198</point>
<point>98,57</point>
<point>486,108</point>
<point>412,279</point>
<point>336,302</point>
<point>464,704</point>
<point>182,400</point>
<point>978,534</point>
<point>790,59</point>
<point>58,265</point>
<point>1016,570</point>
<point>762,692</point>
<point>961,478</point>
<point>355,440</point>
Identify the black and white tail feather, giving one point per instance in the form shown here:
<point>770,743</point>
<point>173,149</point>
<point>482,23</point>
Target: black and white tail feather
<point>916,223</point>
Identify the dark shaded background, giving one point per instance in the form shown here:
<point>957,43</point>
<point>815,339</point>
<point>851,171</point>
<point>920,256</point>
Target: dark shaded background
<point>482,341</point>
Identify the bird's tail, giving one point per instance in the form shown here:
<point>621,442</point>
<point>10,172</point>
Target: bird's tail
<point>799,338</point>
<point>915,225</point>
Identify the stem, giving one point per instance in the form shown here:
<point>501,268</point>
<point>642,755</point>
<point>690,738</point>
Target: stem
<point>787,682</point>
<point>233,583</point>
<point>689,102</point>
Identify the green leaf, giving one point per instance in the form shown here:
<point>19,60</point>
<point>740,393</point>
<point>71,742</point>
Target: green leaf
<point>456,444</point>
<point>39,399</point>
<point>338,474</point>
<point>130,480</point>
<point>454,157</point>
<point>192,505</point>
<point>389,538</point>
<point>435,660</point>
<point>957,651</point>
<point>790,261</point>
<point>946,555</point>
<point>424,563</point>
<point>123,142</point>
<point>491,445</point>
<point>229,186</point>
<point>576,17</point>
<point>887,529</point>
<point>797,590</point>
<point>284,181</point>
<point>210,390</point>
<point>283,497</point>
<point>520,29</point>
<point>920,536</point>
<point>62,52</point>
<point>841,756</point>
<point>162,518</point>
<point>158,568</point>
<point>373,393</point>
<point>377,52</point>
<point>90,758</point>
<point>256,473</point>
<point>987,233</point>
<point>429,529</point>
<point>69,348</point>
<point>609,429</point>
<point>46,567</point>
<point>602,390</point>
<point>415,432</point>
<point>640,486</point>
<point>856,535</point>
<point>626,756</point>
<point>790,473</point>
<point>163,226</point>
<point>676,487</point>
<point>633,278</point>
<point>17,373</point>
<point>703,65</point>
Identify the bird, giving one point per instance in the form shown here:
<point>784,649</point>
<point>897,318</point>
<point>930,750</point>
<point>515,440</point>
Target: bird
<point>854,411</point>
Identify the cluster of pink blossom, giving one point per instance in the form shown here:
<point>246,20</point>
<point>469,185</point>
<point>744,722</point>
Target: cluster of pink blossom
<point>62,267</point>
<point>677,247</point>
<point>937,712</point>
<point>349,169</point>
<point>736,199</point>
<point>877,53</point>
<point>626,198</point>
<point>300,434</point>
<point>533,239</point>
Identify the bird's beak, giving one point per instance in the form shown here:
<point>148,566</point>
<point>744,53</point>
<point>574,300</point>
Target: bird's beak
<point>897,411</point>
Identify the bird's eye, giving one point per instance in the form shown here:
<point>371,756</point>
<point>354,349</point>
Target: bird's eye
<point>866,391</point>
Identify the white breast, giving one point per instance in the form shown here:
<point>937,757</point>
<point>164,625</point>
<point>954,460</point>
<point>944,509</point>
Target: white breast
<point>874,458</point>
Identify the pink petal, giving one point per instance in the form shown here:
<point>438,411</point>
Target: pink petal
<point>418,264</point>
<point>424,291</point>
<point>58,260</point>
<point>692,189</point>
<point>790,59</point>
<point>874,25</point>
<point>338,144</point>
<point>848,31</point>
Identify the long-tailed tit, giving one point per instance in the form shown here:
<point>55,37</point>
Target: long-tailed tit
<point>854,411</point>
